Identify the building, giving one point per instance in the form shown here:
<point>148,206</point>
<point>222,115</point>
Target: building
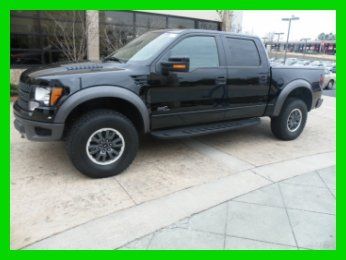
<point>311,47</point>
<point>32,32</point>
<point>30,29</point>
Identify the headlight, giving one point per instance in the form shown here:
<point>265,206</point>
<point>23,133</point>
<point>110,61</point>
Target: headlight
<point>42,94</point>
<point>48,95</point>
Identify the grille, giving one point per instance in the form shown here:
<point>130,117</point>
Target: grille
<point>24,95</point>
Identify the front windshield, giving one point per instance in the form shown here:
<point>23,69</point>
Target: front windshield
<point>143,47</point>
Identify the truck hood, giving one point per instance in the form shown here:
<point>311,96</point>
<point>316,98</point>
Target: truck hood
<point>69,69</point>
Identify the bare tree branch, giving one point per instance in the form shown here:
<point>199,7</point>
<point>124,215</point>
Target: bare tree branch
<point>115,37</point>
<point>67,32</point>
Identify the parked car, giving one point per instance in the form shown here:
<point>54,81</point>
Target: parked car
<point>316,63</point>
<point>291,61</point>
<point>166,83</point>
<point>328,64</point>
<point>333,69</point>
<point>303,63</point>
<point>300,63</point>
<point>278,61</point>
<point>329,79</point>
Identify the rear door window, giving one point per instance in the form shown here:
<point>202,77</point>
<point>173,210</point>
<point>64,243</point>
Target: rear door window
<point>242,52</point>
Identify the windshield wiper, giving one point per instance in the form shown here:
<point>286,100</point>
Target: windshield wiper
<point>111,58</point>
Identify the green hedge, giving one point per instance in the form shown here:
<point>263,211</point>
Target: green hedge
<point>13,90</point>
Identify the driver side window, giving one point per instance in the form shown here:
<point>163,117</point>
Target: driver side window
<point>201,50</point>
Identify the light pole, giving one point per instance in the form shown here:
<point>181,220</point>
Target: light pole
<point>289,19</point>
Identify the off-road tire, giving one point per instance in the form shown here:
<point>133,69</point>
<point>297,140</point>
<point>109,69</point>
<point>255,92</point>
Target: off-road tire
<point>81,132</point>
<point>279,124</point>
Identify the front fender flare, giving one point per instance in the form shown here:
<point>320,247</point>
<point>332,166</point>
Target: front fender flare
<point>103,92</point>
<point>299,83</point>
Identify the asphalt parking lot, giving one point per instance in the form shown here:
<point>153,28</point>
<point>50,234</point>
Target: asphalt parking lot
<point>49,197</point>
<point>330,93</point>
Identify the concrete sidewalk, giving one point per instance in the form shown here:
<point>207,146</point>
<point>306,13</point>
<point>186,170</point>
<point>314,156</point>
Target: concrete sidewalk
<point>54,206</point>
<point>298,213</point>
<point>263,221</point>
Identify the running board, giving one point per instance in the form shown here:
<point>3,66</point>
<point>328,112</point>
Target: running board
<point>204,129</point>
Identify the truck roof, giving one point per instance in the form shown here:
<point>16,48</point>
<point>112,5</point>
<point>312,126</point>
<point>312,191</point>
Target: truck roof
<point>184,31</point>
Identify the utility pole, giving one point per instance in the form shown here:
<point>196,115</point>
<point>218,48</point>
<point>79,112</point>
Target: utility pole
<point>289,19</point>
<point>305,43</point>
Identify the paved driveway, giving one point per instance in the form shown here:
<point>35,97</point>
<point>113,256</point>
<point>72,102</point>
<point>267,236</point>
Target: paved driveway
<point>48,196</point>
<point>330,93</point>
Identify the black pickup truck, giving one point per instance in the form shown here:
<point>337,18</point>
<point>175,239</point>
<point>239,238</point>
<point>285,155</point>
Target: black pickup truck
<point>167,83</point>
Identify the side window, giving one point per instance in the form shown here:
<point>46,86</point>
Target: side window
<point>242,52</point>
<point>201,50</point>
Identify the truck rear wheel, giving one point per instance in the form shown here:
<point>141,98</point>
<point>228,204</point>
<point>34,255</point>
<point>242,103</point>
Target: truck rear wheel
<point>291,121</point>
<point>102,143</point>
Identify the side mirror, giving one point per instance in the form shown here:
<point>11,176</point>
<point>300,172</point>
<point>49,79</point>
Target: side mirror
<point>177,64</point>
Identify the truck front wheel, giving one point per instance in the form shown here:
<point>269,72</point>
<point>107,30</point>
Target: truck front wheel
<point>102,143</point>
<point>291,121</point>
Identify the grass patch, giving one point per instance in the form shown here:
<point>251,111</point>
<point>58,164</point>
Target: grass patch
<point>13,90</point>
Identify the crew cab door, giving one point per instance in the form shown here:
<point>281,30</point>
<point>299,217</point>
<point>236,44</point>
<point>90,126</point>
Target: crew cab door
<point>247,77</point>
<point>195,96</point>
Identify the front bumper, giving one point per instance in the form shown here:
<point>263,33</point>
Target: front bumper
<point>38,131</point>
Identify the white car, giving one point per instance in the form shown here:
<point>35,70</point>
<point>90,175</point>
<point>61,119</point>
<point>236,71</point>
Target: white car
<point>329,79</point>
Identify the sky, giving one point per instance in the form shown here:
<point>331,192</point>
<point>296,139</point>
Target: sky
<point>310,24</point>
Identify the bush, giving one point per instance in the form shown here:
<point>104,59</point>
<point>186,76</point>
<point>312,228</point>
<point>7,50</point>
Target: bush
<point>13,90</point>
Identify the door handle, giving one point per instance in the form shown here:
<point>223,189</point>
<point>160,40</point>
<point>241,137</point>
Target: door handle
<point>220,81</point>
<point>263,78</point>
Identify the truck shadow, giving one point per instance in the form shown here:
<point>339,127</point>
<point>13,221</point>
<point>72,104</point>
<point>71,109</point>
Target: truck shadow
<point>51,158</point>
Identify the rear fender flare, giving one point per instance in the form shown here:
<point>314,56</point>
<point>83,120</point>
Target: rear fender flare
<point>287,90</point>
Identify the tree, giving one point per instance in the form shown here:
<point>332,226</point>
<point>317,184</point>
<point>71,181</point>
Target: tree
<point>115,37</point>
<point>321,36</point>
<point>326,37</point>
<point>67,32</point>
<point>331,37</point>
